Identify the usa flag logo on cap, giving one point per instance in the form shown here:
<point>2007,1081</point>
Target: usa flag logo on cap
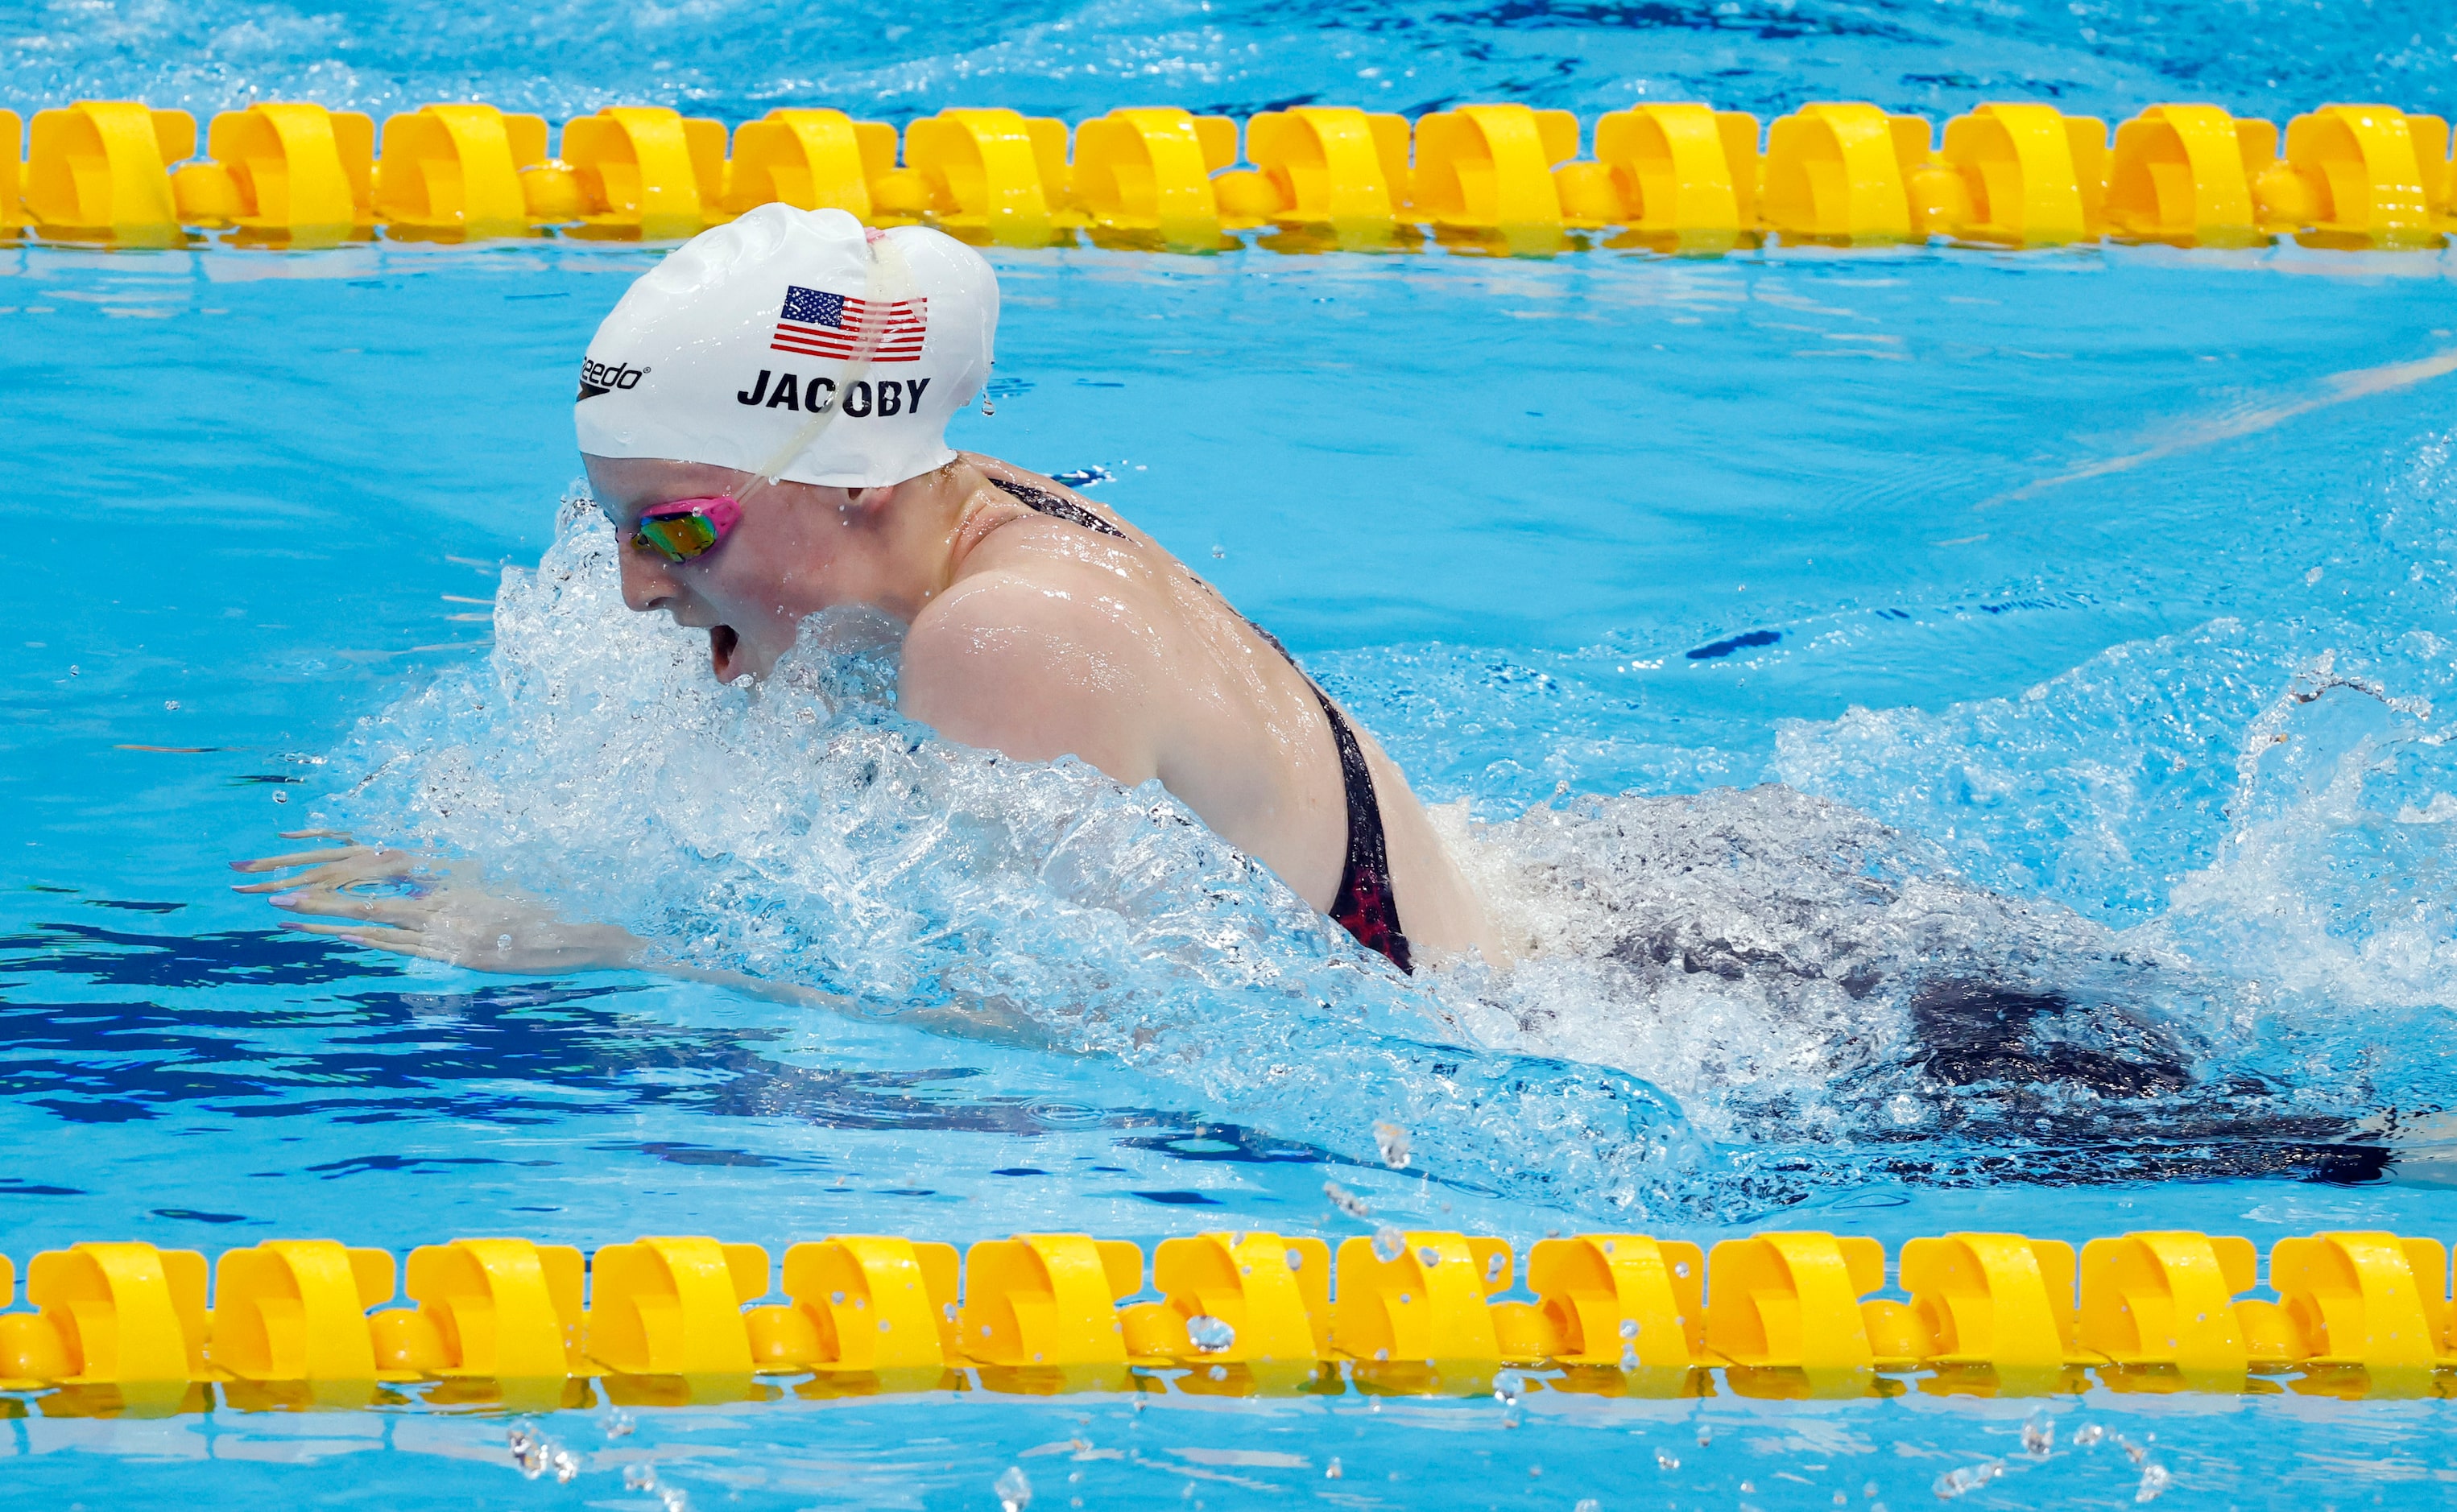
<point>817,324</point>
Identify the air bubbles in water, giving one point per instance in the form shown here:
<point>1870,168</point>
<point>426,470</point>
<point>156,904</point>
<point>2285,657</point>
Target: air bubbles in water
<point>1347,1201</point>
<point>1392,1141</point>
<point>639,1478</point>
<point>2155,1479</point>
<point>1210,1335</point>
<point>2087,1434</point>
<point>2039,1435</point>
<point>1014,1489</point>
<point>1664,1460</point>
<point>1495,1265</point>
<point>1389,1245</point>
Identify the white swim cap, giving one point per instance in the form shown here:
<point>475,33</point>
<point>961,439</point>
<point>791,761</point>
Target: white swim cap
<point>793,345</point>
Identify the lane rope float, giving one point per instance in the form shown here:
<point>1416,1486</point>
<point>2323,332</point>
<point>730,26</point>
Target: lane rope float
<point>128,1327</point>
<point>1506,178</point>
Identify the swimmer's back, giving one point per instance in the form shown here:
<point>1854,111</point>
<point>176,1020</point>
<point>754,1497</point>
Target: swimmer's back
<point>1057,636</point>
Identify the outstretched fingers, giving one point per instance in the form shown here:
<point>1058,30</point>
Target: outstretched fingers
<point>300,858</point>
<point>337,903</point>
<point>400,941</point>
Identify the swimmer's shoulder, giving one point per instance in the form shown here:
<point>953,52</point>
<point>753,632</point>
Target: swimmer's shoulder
<point>1021,663</point>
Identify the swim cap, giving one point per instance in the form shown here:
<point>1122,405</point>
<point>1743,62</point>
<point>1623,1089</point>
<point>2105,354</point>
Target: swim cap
<point>793,345</point>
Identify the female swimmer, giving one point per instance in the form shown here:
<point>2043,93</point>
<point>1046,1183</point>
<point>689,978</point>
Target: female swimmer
<point>763,418</point>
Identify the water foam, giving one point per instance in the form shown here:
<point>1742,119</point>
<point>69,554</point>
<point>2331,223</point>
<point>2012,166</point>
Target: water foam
<point>801,831</point>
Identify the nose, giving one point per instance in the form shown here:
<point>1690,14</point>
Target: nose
<point>646,583</point>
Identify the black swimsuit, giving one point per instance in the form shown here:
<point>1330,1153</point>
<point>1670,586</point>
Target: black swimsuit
<point>1365,905</point>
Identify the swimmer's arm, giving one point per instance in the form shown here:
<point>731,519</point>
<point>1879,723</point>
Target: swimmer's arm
<point>437,911</point>
<point>1035,672</point>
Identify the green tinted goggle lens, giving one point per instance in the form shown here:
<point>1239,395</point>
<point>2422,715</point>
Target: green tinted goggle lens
<point>676,537</point>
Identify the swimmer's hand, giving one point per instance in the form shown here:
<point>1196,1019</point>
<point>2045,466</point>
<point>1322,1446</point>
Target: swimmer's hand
<point>413,905</point>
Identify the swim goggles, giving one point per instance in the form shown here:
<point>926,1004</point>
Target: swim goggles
<point>687,527</point>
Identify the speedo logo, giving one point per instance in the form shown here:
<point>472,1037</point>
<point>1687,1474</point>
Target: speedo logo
<point>605,378</point>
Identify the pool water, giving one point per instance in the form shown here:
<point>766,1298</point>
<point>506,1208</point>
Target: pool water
<point>1968,734</point>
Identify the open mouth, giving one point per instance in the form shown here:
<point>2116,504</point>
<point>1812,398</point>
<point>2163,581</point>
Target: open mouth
<point>722,643</point>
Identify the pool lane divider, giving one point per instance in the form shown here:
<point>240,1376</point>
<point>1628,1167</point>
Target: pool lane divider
<point>1504,178</point>
<point>127,1327</point>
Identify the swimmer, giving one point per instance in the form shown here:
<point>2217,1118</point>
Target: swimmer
<point>763,418</point>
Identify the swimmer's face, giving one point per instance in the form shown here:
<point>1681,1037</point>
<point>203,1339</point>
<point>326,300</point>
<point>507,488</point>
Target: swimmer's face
<point>789,556</point>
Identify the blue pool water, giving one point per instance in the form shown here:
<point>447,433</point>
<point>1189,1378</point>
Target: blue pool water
<point>1809,645</point>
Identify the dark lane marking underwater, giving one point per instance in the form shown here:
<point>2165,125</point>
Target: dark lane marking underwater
<point>2029,1105</point>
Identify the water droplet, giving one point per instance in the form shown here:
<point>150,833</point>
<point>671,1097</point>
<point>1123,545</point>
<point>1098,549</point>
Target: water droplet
<point>72,671</point>
<point>1706,1436</point>
<point>1629,1328</point>
<point>639,1478</point>
<point>2039,1435</point>
<point>567,1466</point>
<point>1392,1141</point>
<point>171,705</point>
<point>1629,1356</point>
<point>2087,1434</point>
<point>2155,1479</point>
<point>836,1297</point>
<point>280,797</point>
<point>620,1423</point>
<point>1330,1471</point>
<point>1965,1479</point>
<point>1681,1268</point>
<point>1014,1489</point>
<point>1389,1245</point>
<point>1495,1266</point>
<point>989,406</point>
<point>1297,1259</point>
<point>503,942</point>
<point>1429,1256</point>
<point>1210,1335</point>
<point>672,1498</point>
<point>1666,1461</point>
<point>1507,1387</point>
<point>2132,1451</point>
<point>1588,1504</point>
<point>1236,1238</point>
<point>1346,1201</point>
<point>1217,553</point>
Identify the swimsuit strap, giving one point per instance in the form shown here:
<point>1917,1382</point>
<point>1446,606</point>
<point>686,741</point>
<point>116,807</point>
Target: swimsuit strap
<point>1042,500</point>
<point>1365,907</point>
